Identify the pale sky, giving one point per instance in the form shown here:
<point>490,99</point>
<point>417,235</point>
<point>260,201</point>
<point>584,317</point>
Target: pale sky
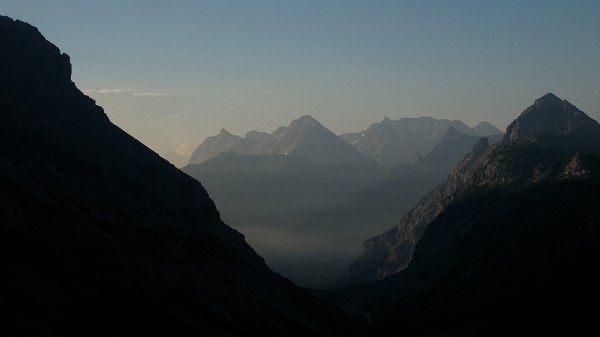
<point>172,73</point>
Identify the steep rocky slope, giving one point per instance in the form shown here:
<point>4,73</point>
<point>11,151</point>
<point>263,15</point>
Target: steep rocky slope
<point>512,250</point>
<point>518,158</point>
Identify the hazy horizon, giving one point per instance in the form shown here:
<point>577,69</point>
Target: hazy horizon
<point>174,74</point>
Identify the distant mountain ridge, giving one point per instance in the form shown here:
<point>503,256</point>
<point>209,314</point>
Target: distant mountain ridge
<point>389,142</point>
<point>401,141</point>
<point>561,132</point>
<point>305,138</point>
<point>212,146</point>
<point>279,180</point>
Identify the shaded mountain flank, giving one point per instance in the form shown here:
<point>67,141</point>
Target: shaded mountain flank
<point>100,236</point>
<point>402,141</point>
<point>508,244</point>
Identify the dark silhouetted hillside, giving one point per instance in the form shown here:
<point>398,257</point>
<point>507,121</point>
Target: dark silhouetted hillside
<point>100,236</point>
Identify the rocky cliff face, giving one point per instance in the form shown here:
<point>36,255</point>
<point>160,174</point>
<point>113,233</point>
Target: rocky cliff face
<point>538,146</point>
<point>501,258</point>
<point>101,236</point>
<point>391,252</point>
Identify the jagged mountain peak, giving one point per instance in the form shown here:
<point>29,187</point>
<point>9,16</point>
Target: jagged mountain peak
<point>304,137</point>
<point>548,98</point>
<point>304,122</point>
<point>224,132</point>
<point>551,115</point>
<point>211,146</point>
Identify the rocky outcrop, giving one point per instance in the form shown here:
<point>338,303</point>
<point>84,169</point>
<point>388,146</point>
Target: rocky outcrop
<point>582,165</point>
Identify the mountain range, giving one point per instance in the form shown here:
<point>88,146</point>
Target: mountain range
<point>305,199</point>
<point>288,174</point>
<point>402,141</point>
<point>304,138</point>
<point>388,143</point>
<point>555,126</point>
<point>506,244</point>
<point>101,236</point>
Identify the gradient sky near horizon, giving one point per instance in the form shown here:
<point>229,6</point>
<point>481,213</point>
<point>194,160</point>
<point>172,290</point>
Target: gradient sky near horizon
<point>173,73</point>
